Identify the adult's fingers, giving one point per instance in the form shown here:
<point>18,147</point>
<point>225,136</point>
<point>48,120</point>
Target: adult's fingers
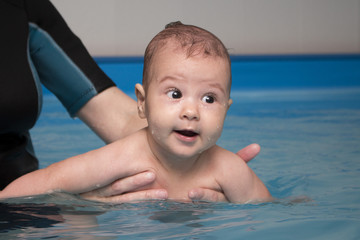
<point>131,183</point>
<point>121,186</point>
<point>249,152</point>
<point>158,194</point>
<point>208,195</point>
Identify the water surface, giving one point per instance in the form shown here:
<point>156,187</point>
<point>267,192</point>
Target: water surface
<point>310,161</point>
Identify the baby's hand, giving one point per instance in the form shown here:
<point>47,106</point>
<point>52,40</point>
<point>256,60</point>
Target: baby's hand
<point>123,190</point>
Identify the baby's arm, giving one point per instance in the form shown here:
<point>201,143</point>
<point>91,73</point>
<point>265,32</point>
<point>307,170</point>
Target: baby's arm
<point>239,183</point>
<point>77,174</point>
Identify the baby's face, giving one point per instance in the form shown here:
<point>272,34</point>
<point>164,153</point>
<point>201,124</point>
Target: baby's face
<point>186,101</point>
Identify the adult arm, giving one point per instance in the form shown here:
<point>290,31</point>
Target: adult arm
<point>65,67</point>
<point>111,115</point>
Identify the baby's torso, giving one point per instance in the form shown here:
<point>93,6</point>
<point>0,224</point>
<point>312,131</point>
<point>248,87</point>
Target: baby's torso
<point>179,183</point>
<point>178,186</point>
<point>203,174</point>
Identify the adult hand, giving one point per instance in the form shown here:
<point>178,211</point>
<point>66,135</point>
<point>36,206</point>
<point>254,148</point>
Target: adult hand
<point>249,152</point>
<point>203,194</point>
<point>122,190</point>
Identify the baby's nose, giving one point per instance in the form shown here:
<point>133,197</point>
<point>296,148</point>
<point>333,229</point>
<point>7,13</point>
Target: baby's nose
<point>190,112</point>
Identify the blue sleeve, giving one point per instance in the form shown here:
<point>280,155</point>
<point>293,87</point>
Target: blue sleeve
<point>62,62</point>
<point>58,72</point>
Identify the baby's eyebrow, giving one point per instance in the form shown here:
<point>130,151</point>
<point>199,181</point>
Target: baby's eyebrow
<point>218,86</point>
<point>169,78</point>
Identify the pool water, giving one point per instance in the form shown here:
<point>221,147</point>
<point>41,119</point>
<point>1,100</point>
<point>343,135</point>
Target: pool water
<point>310,161</point>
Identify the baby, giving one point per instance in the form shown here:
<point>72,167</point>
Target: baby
<point>184,97</point>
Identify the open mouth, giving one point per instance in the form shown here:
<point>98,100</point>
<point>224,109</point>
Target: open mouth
<point>187,133</point>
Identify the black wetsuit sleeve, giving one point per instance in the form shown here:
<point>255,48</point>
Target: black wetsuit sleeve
<point>63,64</point>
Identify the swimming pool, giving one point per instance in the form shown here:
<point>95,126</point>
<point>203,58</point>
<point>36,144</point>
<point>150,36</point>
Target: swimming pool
<point>303,111</point>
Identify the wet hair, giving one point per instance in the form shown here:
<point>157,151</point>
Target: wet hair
<point>191,39</point>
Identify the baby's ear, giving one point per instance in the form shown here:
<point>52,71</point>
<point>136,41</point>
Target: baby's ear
<point>140,95</point>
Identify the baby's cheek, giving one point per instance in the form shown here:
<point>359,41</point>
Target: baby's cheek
<point>155,132</point>
<point>215,127</point>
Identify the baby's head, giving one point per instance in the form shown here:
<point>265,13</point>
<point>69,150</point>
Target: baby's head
<point>186,90</point>
<point>188,39</point>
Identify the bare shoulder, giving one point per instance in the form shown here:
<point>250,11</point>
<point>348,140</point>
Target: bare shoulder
<point>237,180</point>
<point>226,160</point>
<point>226,165</point>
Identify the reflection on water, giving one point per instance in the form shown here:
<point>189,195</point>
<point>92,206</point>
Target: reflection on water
<point>61,214</point>
<point>19,216</point>
<point>28,217</point>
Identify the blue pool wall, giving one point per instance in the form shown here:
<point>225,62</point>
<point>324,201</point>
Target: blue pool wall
<point>258,72</point>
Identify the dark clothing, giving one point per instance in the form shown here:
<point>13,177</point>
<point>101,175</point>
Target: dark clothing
<point>37,47</point>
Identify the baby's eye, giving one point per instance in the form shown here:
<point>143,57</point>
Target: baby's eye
<point>208,99</point>
<point>174,94</point>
